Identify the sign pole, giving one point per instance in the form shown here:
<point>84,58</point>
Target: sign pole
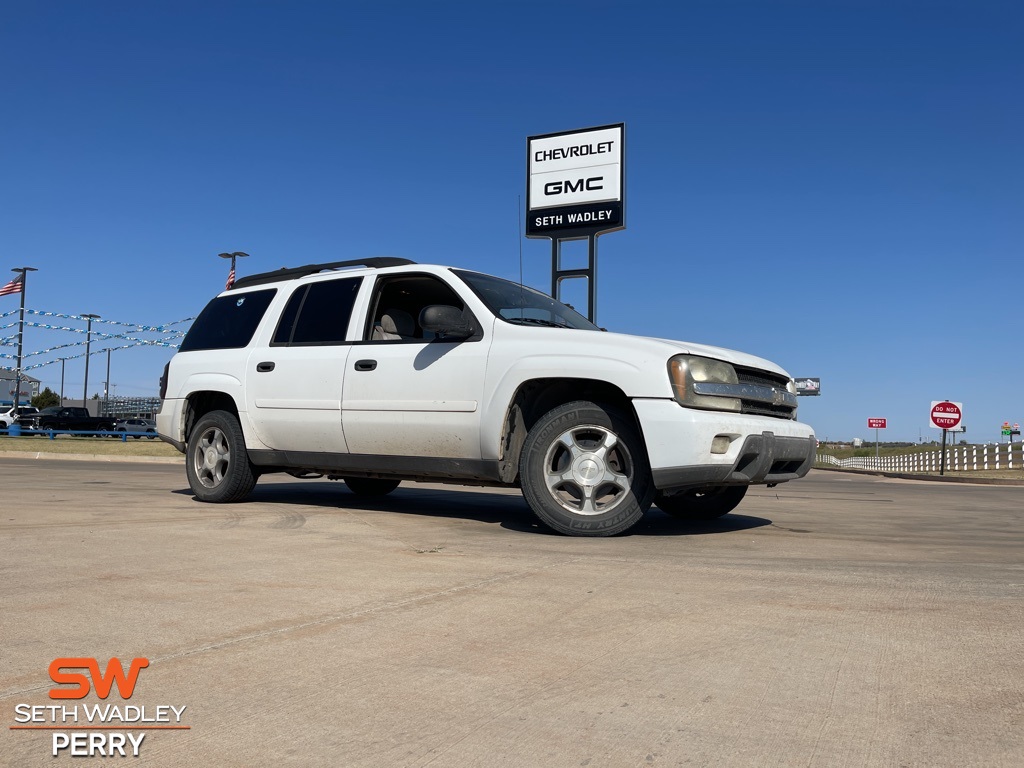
<point>942,465</point>
<point>876,442</point>
<point>590,273</point>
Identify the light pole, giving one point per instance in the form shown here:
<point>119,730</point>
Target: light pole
<point>88,342</point>
<point>106,388</point>
<point>62,381</point>
<point>23,271</point>
<point>231,274</point>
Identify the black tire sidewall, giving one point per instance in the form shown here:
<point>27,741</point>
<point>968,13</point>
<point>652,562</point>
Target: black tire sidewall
<point>239,479</point>
<point>549,427</point>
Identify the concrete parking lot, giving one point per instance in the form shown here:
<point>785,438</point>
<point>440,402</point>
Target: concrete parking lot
<point>837,621</point>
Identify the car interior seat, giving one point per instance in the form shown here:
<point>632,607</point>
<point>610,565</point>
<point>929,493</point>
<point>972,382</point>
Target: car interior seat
<point>394,325</point>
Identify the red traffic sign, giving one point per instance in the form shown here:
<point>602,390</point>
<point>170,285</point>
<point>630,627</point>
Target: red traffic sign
<point>946,415</point>
<point>876,423</point>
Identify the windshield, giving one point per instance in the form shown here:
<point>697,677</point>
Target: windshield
<point>518,304</point>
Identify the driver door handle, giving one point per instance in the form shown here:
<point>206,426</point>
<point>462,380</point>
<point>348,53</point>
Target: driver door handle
<point>366,365</point>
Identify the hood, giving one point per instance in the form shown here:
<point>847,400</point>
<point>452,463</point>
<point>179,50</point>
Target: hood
<point>733,356</point>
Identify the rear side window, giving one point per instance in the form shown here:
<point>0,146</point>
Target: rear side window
<point>318,313</point>
<point>228,322</point>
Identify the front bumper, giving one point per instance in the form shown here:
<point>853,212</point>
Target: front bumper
<point>764,458</point>
<point>690,448</point>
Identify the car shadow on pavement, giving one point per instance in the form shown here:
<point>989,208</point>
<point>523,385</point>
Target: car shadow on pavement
<point>504,509</point>
<point>657,523</point>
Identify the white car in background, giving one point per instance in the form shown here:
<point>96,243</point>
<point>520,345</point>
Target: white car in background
<point>13,414</point>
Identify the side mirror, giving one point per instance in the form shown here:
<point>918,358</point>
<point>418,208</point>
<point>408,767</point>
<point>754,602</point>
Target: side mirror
<point>446,321</point>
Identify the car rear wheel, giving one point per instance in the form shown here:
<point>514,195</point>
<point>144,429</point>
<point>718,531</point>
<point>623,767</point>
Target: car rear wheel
<point>216,463</point>
<point>584,470</point>
<point>371,486</point>
<point>703,503</point>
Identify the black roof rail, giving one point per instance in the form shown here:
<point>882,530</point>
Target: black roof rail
<point>293,273</point>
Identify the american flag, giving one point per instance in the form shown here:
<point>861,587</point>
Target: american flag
<point>17,284</point>
<point>231,279</point>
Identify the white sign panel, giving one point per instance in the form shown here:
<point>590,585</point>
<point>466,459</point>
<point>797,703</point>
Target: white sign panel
<point>575,179</point>
<point>573,168</point>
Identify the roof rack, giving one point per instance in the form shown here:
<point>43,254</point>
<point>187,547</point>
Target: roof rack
<point>293,273</point>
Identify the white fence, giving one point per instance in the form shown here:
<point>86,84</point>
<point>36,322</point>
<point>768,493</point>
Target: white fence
<point>958,459</point>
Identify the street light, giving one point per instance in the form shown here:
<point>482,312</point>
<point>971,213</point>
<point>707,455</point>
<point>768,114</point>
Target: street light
<point>23,271</point>
<point>231,275</point>
<point>88,341</point>
<point>106,388</point>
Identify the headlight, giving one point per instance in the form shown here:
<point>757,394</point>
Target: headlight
<point>694,381</point>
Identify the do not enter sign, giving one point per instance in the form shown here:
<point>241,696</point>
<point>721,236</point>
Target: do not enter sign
<point>946,415</point>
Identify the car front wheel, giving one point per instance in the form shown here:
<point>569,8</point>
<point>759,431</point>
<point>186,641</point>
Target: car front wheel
<point>584,470</point>
<point>216,463</point>
<point>701,504</point>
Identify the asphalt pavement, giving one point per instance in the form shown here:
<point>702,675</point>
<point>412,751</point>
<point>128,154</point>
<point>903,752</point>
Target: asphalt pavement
<point>839,620</point>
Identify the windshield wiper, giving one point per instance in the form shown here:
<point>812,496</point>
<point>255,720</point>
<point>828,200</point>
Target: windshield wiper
<point>537,321</point>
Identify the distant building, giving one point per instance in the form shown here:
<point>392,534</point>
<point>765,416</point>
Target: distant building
<point>29,387</point>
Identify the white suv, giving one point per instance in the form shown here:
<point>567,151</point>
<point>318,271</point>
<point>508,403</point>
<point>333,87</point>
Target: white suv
<point>384,370</point>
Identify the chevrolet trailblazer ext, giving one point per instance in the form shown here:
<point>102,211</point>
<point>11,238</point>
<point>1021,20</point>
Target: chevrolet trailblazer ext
<point>384,370</point>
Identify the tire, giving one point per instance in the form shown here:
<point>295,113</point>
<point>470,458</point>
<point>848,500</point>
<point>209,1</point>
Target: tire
<point>216,461</point>
<point>370,486</point>
<point>584,470</point>
<point>701,503</point>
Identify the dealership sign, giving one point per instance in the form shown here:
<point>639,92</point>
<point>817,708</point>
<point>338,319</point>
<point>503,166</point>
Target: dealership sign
<point>806,386</point>
<point>575,181</point>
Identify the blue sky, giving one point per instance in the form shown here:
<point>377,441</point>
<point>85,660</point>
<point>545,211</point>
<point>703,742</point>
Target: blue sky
<point>836,186</point>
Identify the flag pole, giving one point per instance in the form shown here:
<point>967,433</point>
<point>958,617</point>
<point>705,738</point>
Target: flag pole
<point>231,274</point>
<point>21,330</point>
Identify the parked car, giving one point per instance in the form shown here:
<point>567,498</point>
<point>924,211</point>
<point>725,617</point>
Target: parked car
<point>70,418</point>
<point>381,371</point>
<point>16,415</point>
<point>137,428</point>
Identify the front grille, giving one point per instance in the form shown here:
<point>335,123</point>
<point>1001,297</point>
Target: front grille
<point>758,378</point>
<point>761,378</point>
<point>756,408</point>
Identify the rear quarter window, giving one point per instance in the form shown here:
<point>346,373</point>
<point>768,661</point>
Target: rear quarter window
<point>228,322</point>
<point>318,313</point>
